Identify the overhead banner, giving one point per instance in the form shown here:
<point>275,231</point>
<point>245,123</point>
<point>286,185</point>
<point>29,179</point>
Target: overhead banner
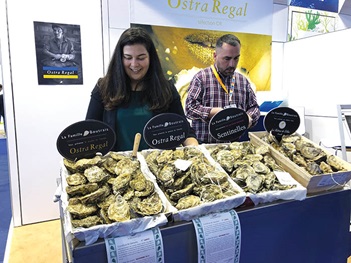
<point>250,16</point>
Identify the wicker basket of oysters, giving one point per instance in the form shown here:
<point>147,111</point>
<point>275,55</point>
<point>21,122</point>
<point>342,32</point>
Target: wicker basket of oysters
<point>109,196</point>
<point>193,183</point>
<point>254,169</point>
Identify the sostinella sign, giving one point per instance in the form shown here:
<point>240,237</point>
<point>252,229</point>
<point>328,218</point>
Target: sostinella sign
<point>166,131</point>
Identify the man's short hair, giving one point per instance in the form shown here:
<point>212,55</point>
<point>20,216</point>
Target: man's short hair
<point>57,25</point>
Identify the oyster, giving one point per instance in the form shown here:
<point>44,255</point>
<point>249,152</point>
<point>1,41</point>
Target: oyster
<point>188,201</point>
<point>127,165</point>
<point>151,157</point>
<point>149,189</point>
<point>116,156</point>
<point>310,152</point>
<point>121,183</point>
<point>119,211</point>
<point>87,222</point>
<point>164,157</point>
<point>70,165</point>
<point>110,164</point>
<point>76,179</point>
<point>211,192</point>
<point>197,170</point>
<point>95,174</point>
<point>182,192</point>
<point>179,154</point>
<point>81,189</point>
<point>104,204</point>
<point>260,167</point>
<point>262,149</point>
<point>253,157</point>
<point>225,158</point>
<point>335,163</point>
<point>214,177</point>
<point>96,196</point>
<point>81,210</point>
<point>254,183</point>
<point>326,168</point>
<point>138,182</point>
<point>84,163</point>
<point>271,163</point>
<point>299,160</point>
<point>182,180</point>
<point>166,174</point>
<point>151,205</point>
<point>191,152</point>
<point>313,168</point>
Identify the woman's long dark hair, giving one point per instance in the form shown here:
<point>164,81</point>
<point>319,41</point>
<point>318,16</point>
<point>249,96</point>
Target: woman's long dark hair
<point>115,87</point>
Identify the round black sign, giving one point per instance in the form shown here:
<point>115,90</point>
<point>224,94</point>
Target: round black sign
<point>166,131</point>
<point>84,139</point>
<point>228,124</point>
<point>281,121</point>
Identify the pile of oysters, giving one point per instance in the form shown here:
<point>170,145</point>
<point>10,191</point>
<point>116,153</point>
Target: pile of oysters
<point>305,154</point>
<point>108,189</point>
<point>251,167</point>
<point>187,177</point>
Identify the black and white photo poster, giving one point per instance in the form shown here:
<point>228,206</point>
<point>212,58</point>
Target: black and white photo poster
<point>58,52</point>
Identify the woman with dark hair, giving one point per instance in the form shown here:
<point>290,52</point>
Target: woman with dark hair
<point>134,90</point>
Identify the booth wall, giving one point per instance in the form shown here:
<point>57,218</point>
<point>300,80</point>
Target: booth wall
<point>316,78</point>
<point>41,112</point>
<point>36,114</point>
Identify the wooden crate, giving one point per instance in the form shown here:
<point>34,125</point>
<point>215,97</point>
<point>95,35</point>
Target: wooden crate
<point>313,183</point>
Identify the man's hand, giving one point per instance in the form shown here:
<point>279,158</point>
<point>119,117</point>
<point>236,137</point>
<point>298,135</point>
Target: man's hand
<point>214,111</point>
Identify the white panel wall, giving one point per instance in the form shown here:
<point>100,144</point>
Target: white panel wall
<point>316,77</point>
<point>41,112</point>
<point>315,73</point>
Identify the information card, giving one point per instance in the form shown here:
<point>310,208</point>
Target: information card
<point>218,237</point>
<point>146,246</point>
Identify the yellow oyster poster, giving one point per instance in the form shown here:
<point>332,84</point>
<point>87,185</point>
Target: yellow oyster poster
<point>185,34</point>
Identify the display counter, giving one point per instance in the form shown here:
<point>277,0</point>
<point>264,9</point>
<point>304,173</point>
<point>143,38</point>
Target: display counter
<point>316,229</point>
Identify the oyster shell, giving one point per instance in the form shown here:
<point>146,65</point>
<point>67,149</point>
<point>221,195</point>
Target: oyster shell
<point>81,210</point>
<point>119,210</point>
<point>188,202</point>
<point>76,179</point>
<point>254,183</point>
<point>84,163</point>
<point>87,222</point>
<point>182,192</point>
<point>313,168</point>
<point>166,174</point>
<point>127,165</point>
<point>225,158</point>
<point>95,174</point>
<point>121,183</point>
<point>96,196</point>
<point>326,168</point>
<point>148,206</point>
<point>81,189</point>
<point>335,163</point>
<point>148,190</point>
<point>211,192</point>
